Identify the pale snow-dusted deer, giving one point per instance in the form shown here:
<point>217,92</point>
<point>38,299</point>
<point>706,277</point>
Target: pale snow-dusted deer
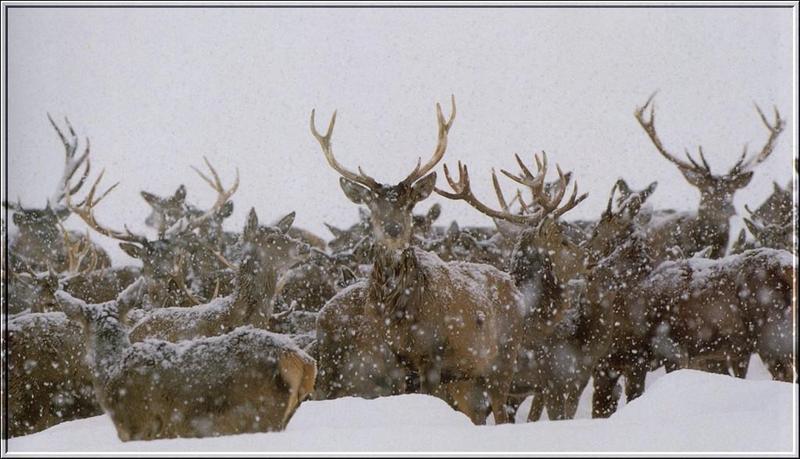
<point>690,233</point>
<point>452,322</point>
<point>248,380</point>
<point>562,333</point>
<point>38,242</point>
<point>266,252</point>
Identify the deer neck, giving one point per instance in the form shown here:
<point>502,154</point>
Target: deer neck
<point>254,291</point>
<point>397,284</point>
<point>108,342</point>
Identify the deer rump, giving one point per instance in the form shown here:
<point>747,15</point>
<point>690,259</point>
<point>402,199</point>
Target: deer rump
<point>249,380</point>
<point>730,307</point>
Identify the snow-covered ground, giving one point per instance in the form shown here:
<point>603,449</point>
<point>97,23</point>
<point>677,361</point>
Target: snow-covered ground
<point>680,412</point>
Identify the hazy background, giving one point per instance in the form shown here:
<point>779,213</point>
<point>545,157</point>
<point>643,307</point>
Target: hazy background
<point>156,89</point>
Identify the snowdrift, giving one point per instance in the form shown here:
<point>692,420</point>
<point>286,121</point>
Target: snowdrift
<point>681,411</point>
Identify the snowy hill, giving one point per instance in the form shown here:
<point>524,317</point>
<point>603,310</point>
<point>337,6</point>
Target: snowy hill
<point>681,411</point>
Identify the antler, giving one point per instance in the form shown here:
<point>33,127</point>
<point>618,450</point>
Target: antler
<point>441,144</point>
<point>71,163</point>
<point>774,131</point>
<point>186,223</point>
<point>463,191</point>
<point>85,210</point>
<point>549,204</point>
<point>650,128</point>
<point>78,250</point>
<point>325,143</point>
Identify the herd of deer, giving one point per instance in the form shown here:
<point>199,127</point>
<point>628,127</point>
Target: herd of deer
<point>219,332</point>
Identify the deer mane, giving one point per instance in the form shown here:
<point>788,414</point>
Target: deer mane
<point>397,284</point>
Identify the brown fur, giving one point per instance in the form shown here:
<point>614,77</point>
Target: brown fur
<point>49,381</point>
<point>248,380</point>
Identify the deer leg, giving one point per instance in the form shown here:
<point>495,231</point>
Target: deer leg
<point>466,397</point>
<point>537,406</point>
<point>740,365</point>
<point>634,385</point>
<point>606,392</point>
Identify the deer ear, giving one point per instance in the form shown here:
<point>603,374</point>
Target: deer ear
<point>623,188</point>
<point>355,192</point>
<point>423,187</point>
<point>434,212</point>
<point>132,250</point>
<point>694,178</point>
<point>739,181</point>
<point>334,230</point>
<point>649,190</point>
<point>453,230</point>
<point>180,194</point>
<point>151,199</point>
<point>61,213</point>
<point>251,225</point>
<point>285,223</point>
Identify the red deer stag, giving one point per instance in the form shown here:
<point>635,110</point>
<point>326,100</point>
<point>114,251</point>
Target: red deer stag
<point>39,242</point>
<point>561,332</point>
<point>430,313</point>
<point>689,233</point>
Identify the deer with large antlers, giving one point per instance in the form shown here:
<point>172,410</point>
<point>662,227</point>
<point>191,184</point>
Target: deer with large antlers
<point>689,233</point>
<point>39,240</point>
<point>429,312</point>
<point>561,331</point>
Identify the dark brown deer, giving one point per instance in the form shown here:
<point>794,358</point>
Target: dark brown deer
<point>618,261</point>
<point>559,345</point>
<point>709,226</point>
<point>429,312</point>
<point>693,313</point>
<point>39,243</point>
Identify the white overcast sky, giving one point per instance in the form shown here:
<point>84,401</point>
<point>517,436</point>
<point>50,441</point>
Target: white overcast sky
<point>156,89</point>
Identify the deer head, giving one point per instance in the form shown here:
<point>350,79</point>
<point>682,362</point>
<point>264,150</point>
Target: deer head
<point>43,223</point>
<point>272,245</point>
<point>716,191</point>
<point>616,226</point>
<point>390,206</point>
<point>165,211</point>
<point>540,220</point>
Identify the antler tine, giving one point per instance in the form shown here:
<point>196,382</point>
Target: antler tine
<point>327,150</point>
<point>499,192</point>
<point>441,145</point>
<point>650,128</point>
<point>571,203</point>
<point>463,192</point>
<point>186,223</point>
<point>774,131</point>
<point>71,164</point>
<point>85,210</point>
